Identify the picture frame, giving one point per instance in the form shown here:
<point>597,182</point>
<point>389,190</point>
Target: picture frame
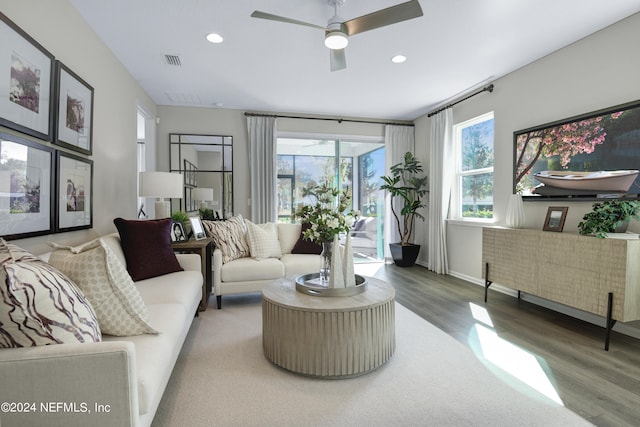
<point>26,188</point>
<point>27,72</point>
<point>593,156</point>
<point>556,216</point>
<point>177,232</point>
<point>197,228</point>
<point>74,98</point>
<point>75,192</point>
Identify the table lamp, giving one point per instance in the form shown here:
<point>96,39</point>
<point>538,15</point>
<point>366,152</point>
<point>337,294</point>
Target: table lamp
<point>161,185</point>
<point>204,195</point>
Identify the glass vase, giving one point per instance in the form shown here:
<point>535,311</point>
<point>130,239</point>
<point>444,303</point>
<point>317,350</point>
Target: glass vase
<point>325,263</point>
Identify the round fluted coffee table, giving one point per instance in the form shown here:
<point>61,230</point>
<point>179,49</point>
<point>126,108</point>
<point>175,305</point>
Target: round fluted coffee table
<point>328,337</point>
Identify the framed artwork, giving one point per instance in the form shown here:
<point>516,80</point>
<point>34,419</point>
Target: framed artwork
<point>588,157</point>
<point>75,192</point>
<point>74,99</point>
<point>555,218</point>
<point>177,232</point>
<point>26,188</point>
<point>196,227</point>
<point>26,83</point>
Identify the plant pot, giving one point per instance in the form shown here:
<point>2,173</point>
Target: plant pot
<point>404,256</point>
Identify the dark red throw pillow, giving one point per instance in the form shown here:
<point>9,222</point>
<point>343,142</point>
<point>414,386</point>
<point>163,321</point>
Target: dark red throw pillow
<point>303,246</point>
<point>147,247</point>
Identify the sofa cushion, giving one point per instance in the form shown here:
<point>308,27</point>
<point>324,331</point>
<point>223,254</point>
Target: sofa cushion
<point>263,240</point>
<point>173,288</point>
<point>288,235</point>
<point>105,282</point>
<point>300,264</point>
<point>304,246</point>
<point>247,269</point>
<point>147,247</point>
<point>229,237</point>
<point>39,305</point>
<point>156,354</point>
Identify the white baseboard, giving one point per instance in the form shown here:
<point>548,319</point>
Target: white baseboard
<point>623,328</point>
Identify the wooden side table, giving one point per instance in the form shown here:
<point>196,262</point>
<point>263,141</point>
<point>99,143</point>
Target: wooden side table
<point>204,248</point>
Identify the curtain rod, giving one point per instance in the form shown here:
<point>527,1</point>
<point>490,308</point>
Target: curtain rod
<point>484,89</point>
<point>339,120</point>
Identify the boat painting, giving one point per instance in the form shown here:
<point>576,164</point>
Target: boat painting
<point>618,181</point>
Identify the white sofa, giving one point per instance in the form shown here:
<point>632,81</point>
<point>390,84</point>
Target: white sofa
<point>117,382</point>
<point>246,274</point>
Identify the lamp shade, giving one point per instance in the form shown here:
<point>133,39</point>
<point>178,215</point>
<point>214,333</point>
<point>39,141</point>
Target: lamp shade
<point>160,184</point>
<point>202,194</point>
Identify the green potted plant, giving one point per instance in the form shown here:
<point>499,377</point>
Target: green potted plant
<point>606,217</point>
<point>407,184</point>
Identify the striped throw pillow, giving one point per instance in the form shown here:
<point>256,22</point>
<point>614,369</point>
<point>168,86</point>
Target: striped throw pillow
<point>229,237</point>
<point>39,305</point>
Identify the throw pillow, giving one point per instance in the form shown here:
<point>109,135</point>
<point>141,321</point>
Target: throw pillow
<point>39,305</point>
<point>105,282</point>
<point>229,237</point>
<point>263,240</point>
<point>303,246</point>
<point>147,247</point>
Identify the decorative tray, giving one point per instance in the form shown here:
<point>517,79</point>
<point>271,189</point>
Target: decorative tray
<point>310,284</point>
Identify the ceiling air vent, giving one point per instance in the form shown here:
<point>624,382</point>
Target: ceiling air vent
<point>173,60</point>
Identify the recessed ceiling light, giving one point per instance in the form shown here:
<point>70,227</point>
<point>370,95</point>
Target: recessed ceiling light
<point>214,38</point>
<point>398,59</point>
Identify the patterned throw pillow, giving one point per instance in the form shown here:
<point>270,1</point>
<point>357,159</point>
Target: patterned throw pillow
<point>107,285</point>
<point>263,240</point>
<point>39,305</point>
<point>229,237</point>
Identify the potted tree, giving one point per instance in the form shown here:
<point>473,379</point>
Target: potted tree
<point>408,185</point>
<point>607,217</point>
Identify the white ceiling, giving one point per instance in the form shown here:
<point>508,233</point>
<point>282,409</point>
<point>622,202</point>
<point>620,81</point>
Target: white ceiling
<point>263,65</point>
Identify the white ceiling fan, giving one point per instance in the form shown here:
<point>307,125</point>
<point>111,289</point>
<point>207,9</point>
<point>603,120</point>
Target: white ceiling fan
<point>338,30</point>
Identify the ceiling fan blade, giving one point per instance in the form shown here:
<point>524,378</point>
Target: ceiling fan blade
<point>338,59</point>
<point>383,17</point>
<point>271,17</point>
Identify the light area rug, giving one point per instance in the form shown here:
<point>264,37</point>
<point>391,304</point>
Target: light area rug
<point>223,379</point>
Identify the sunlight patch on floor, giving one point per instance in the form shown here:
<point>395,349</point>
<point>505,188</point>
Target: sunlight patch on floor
<point>368,269</point>
<point>510,358</point>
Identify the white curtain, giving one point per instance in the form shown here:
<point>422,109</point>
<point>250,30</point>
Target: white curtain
<point>397,141</point>
<point>442,170</point>
<point>262,168</point>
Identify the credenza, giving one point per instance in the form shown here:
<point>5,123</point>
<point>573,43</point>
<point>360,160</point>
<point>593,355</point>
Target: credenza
<point>600,276</point>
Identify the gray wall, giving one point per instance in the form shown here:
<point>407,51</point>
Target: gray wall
<point>599,71</point>
<point>57,26</point>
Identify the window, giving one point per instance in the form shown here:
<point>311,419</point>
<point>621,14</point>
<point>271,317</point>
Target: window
<point>302,162</point>
<point>474,161</point>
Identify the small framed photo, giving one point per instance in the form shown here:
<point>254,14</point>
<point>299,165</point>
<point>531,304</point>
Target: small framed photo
<point>26,188</point>
<point>196,227</point>
<point>555,218</point>
<point>75,111</point>
<point>26,82</point>
<point>75,192</point>
<point>177,232</point>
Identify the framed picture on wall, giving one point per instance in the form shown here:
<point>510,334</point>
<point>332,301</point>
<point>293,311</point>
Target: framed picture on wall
<point>26,83</point>
<point>75,111</point>
<point>75,192</point>
<point>26,176</point>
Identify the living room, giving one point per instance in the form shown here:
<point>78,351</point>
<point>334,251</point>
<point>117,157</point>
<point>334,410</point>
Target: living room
<point>596,72</point>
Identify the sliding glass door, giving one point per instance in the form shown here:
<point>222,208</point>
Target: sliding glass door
<point>349,164</point>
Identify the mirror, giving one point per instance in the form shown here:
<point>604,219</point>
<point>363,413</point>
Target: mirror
<point>206,163</point>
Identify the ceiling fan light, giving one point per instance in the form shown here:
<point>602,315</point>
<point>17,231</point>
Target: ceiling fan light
<point>398,59</point>
<point>336,40</point>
